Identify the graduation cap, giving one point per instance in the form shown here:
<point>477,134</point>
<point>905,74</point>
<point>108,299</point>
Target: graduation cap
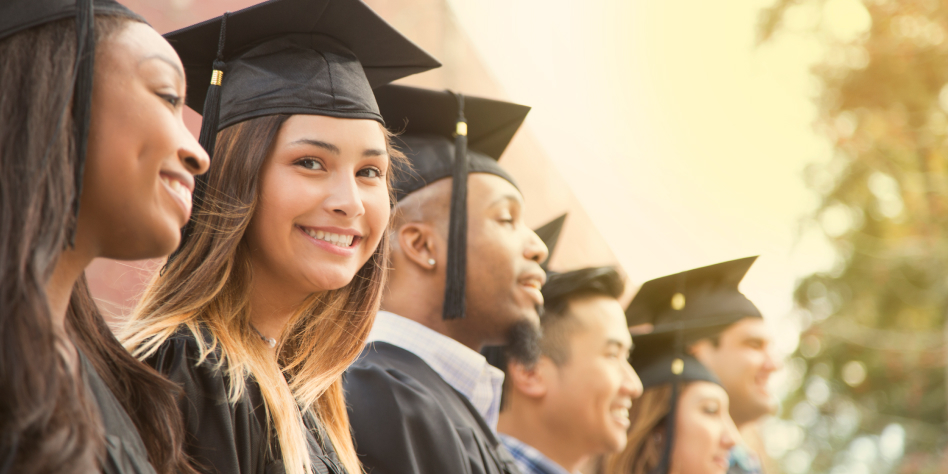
<point>449,135</point>
<point>665,364</point>
<point>698,301</point>
<point>20,15</point>
<point>316,57</point>
<point>549,233</point>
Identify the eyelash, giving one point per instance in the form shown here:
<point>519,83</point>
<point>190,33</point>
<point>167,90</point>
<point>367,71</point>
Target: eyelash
<point>171,99</point>
<point>303,162</point>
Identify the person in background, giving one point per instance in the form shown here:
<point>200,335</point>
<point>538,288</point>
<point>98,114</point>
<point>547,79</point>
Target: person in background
<point>681,424</point>
<point>572,402</point>
<point>724,331</point>
<point>95,161</point>
<point>465,273</point>
<point>275,288</point>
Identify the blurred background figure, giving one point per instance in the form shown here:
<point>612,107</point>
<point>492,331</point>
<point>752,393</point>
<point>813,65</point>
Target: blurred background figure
<point>702,312</point>
<point>571,401</point>
<point>680,425</point>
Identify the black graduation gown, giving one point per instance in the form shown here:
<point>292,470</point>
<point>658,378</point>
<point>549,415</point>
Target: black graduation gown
<point>224,437</point>
<point>125,450</point>
<point>406,419</point>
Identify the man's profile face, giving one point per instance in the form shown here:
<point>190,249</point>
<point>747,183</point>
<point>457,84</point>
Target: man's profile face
<point>503,254</point>
<point>590,395</point>
<point>743,361</point>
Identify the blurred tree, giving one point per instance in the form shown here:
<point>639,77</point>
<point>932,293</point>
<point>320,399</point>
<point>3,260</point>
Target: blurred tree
<point>872,396</point>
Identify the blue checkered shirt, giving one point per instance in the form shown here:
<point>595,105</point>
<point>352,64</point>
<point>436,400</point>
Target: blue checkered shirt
<point>462,368</point>
<point>528,459</point>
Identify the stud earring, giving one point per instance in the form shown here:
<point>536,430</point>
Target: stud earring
<point>431,261</point>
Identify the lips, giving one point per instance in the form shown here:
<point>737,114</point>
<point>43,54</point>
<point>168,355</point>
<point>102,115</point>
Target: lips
<point>533,283</point>
<point>339,239</point>
<point>620,413</point>
<point>179,188</point>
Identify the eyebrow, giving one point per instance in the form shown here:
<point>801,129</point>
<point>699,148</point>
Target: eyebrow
<point>618,343</point>
<point>318,143</point>
<point>166,60</point>
<point>513,198</point>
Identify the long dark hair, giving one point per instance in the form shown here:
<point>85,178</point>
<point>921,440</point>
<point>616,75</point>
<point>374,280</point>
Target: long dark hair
<point>48,422</point>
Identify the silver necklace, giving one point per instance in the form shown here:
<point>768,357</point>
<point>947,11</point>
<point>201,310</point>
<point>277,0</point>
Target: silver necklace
<point>269,340</point>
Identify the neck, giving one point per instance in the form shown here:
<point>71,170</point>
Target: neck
<point>272,305</point>
<point>69,267</point>
<point>524,421</point>
<point>420,303</point>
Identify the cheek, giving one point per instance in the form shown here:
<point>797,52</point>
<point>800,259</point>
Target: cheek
<point>378,212</point>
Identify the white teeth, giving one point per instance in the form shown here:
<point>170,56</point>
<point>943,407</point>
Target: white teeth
<point>622,413</point>
<point>339,240</point>
<point>178,188</point>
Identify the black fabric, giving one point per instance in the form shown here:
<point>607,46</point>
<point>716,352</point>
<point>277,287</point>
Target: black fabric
<point>224,437</point>
<point>19,15</point>
<point>427,119</point>
<point>711,299</point>
<point>658,370</point>
<point>125,450</point>
<point>319,57</point>
<point>406,419</point>
<point>549,233</point>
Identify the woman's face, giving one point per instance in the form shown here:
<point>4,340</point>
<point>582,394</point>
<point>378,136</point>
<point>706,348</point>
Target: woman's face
<point>141,159</point>
<point>323,204</point>
<point>704,432</point>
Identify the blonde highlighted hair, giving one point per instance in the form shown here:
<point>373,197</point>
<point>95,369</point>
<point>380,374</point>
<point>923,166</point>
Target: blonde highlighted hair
<point>647,438</point>
<point>208,284</point>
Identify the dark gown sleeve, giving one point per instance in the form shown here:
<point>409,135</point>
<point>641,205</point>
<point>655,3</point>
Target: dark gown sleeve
<point>125,452</point>
<point>399,427</point>
<point>222,437</point>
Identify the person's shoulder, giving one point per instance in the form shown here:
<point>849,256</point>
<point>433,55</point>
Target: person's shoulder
<point>386,377</point>
<point>195,366</point>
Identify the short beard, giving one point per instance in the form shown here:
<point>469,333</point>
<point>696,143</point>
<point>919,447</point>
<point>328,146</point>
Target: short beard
<point>523,343</point>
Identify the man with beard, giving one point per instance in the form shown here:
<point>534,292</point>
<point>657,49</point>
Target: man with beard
<point>571,402</point>
<point>465,272</point>
<point>724,331</point>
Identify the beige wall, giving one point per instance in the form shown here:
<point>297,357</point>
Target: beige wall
<point>429,23</point>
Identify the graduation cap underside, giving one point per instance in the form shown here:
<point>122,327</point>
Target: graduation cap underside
<point>429,121</point>
<point>549,233</point>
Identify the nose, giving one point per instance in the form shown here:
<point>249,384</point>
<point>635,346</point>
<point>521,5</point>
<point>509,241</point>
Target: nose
<point>772,363</point>
<point>631,383</point>
<point>535,249</point>
<point>191,153</point>
<point>344,198</point>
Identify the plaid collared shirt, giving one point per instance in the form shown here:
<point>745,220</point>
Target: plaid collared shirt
<point>528,459</point>
<point>462,368</point>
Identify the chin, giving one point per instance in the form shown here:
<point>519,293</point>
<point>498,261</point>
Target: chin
<point>331,279</point>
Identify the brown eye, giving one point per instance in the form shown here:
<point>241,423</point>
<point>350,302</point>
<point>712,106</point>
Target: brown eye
<point>310,164</point>
<point>370,172</point>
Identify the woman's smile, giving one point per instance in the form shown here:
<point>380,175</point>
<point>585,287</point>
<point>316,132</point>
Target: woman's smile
<point>333,239</point>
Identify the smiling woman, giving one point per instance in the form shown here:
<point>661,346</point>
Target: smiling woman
<point>273,292</point>
<point>69,392</point>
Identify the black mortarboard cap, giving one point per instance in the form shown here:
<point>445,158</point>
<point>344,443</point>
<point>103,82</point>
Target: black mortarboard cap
<point>320,57</point>
<point>449,135</point>
<point>697,301</point>
<point>317,57</point>
<point>549,233</point>
<point>19,15</point>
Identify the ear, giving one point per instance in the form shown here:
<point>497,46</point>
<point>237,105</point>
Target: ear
<point>700,349</point>
<point>531,382</point>
<point>418,243</point>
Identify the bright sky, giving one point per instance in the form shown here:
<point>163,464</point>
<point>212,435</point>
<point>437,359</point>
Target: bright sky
<point>684,141</point>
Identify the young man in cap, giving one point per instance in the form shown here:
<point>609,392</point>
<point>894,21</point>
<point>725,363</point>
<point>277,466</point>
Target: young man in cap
<point>723,330</point>
<point>465,272</point>
<point>572,402</point>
